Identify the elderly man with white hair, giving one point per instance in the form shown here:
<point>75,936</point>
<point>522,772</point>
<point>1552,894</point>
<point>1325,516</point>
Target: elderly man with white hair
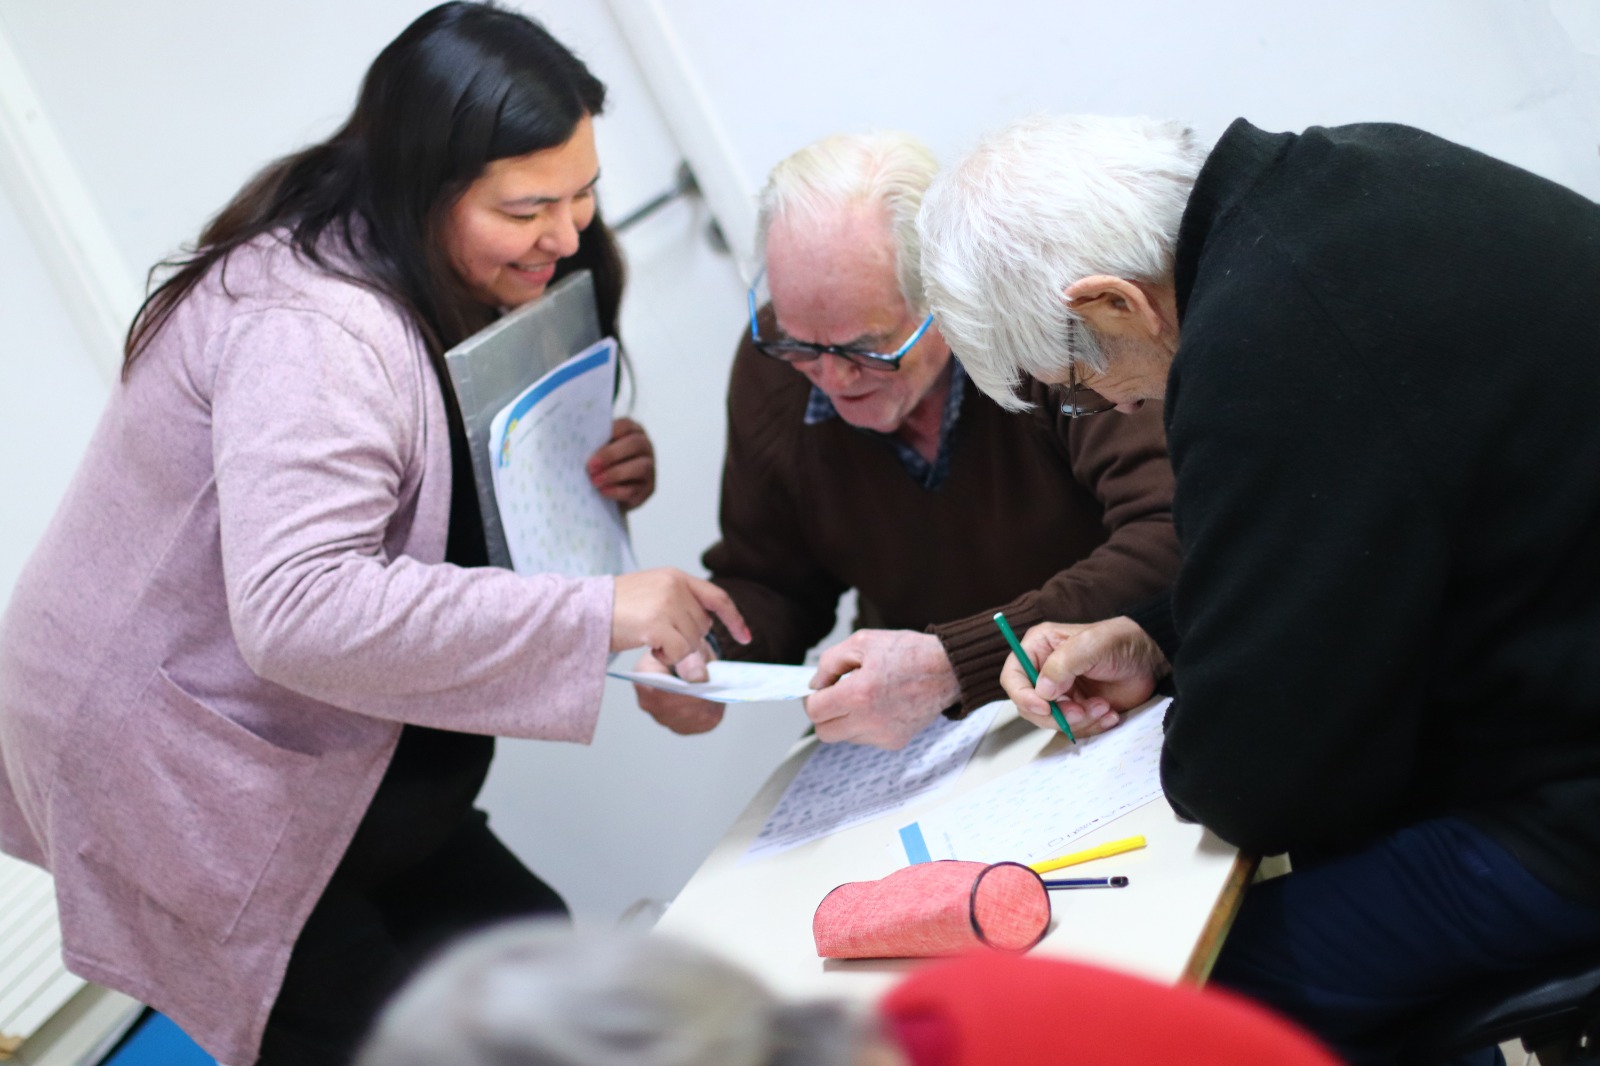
<point>860,456</point>
<point>1380,359</point>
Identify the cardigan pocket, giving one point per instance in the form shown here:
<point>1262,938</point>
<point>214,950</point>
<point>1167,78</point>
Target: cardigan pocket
<point>191,805</point>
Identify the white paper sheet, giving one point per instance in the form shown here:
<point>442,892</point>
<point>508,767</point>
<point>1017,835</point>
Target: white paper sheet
<point>733,682</point>
<point>846,784</point>
<point>1034,812</point>
<point>555,521</point>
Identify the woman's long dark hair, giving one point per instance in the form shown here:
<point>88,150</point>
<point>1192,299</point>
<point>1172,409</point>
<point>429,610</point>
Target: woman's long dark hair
<point>463,85</point>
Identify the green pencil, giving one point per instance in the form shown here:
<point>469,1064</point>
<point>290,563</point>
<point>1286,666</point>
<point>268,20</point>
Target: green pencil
<point>1033,675</point>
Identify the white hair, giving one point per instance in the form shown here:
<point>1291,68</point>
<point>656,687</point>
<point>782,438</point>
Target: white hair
<point>838,172</point>
<point>1038,205</point>
<point>534,993</point>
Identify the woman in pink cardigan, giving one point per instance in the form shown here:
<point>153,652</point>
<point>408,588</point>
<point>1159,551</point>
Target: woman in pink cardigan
<point>249,680</point>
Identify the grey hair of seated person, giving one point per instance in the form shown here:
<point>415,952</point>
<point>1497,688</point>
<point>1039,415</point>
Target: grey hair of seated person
<point>534,993</point>
<point>829,176</point>
<point>1036,206</point>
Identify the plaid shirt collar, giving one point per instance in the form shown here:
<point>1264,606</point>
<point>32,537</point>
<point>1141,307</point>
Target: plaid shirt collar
<point>930,476</point>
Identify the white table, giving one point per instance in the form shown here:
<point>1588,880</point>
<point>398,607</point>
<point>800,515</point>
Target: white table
<point>1184,888</point>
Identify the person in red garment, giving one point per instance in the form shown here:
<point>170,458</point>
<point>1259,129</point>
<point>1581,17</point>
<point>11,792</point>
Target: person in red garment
<point>985,1010</point>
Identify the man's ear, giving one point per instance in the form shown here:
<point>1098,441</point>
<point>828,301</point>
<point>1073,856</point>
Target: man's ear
<point>1114,306</point>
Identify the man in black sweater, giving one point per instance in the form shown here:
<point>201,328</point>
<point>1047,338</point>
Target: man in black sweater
<point>1380,356</point>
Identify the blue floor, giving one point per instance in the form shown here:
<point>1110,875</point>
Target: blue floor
<point>155,1041</point>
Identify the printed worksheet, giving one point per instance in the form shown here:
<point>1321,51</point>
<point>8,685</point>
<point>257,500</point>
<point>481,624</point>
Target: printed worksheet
<point>1033,812</point>
<point>555,521</point>
<point>733,682</point>
<point>846,784</point>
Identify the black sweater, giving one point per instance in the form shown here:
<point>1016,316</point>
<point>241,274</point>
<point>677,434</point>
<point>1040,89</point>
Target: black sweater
<point>1384,419</point>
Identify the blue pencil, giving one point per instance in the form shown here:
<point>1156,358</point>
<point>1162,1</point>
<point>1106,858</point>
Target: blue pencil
<point>1087,882</point>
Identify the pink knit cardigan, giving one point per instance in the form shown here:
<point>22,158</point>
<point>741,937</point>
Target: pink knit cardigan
<point>205,666</point>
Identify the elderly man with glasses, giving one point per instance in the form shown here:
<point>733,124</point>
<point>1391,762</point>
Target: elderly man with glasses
<point>860,456</point>
<point>1379,354</point>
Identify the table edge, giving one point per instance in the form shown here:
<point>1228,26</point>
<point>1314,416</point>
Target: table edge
<point>1209,945</point>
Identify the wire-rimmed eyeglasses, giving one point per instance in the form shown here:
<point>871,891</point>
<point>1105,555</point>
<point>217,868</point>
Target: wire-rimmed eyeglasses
<point>1080,402</point>
<point>793,351</point>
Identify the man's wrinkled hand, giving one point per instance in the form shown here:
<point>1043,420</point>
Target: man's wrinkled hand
<point>881,687</point>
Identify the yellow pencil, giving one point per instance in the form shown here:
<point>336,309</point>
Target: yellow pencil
<point>1116,847</point>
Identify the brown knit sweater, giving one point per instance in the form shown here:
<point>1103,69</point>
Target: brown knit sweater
<point>1040,516</point>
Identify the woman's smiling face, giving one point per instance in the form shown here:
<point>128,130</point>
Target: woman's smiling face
<point>523,214</point>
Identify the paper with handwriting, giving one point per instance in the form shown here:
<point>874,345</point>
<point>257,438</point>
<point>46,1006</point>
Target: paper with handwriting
<point>842,785</point>
<point>1034,812</point>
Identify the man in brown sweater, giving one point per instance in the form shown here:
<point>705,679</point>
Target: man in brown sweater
<point>860,456</point>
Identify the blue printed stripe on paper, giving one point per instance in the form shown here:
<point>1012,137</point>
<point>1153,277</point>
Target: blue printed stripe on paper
<point>560,378</point>
<point>916,847</point>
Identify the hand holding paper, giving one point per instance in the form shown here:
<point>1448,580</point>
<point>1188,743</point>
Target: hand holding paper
<point>670,612</point>
<point>881,687</point>
<point>733,682</point>
<point>624,468</point>
<point>682,714</point>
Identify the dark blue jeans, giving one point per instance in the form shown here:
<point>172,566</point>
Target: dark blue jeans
<point>1351,947</point>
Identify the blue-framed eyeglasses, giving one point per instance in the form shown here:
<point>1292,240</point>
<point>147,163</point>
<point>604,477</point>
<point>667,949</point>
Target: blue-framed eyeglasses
<point>793,351</point>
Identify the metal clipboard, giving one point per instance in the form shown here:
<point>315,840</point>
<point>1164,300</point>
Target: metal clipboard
<point>491,367</point>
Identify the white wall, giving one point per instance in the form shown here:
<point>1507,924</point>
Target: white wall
<point>167,106</point>
<point>51,392</point>
<point>1519,79</point>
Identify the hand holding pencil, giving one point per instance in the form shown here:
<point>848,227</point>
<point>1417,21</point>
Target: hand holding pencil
<point>1091,672</point>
